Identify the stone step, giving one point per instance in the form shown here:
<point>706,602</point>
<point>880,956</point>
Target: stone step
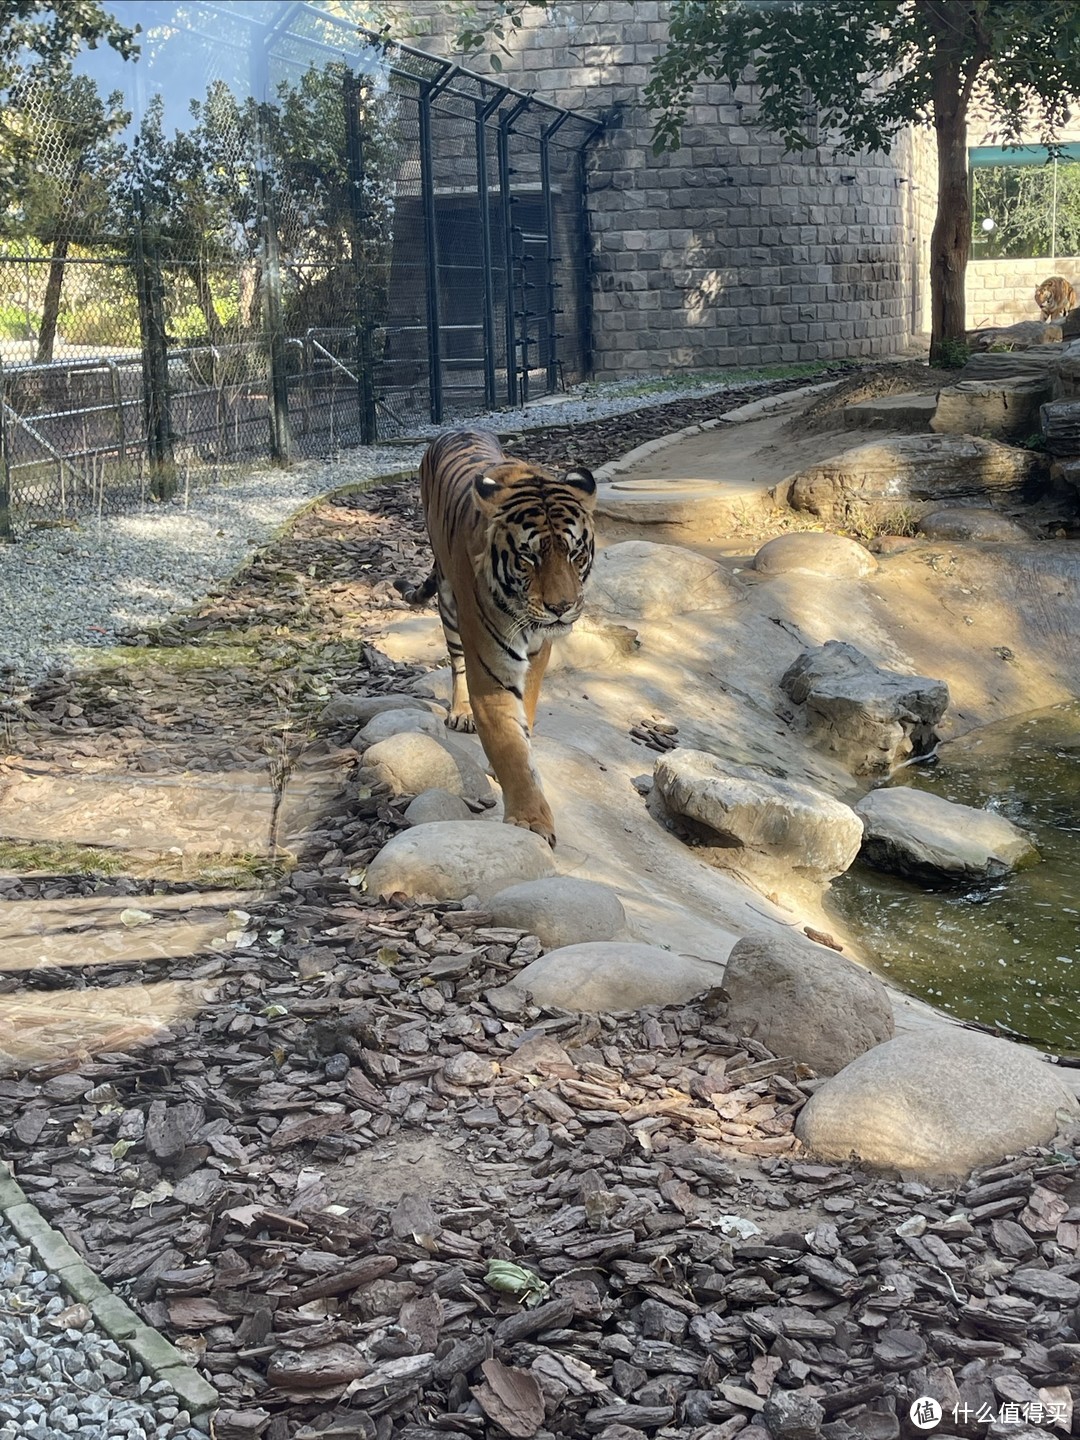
<point>908,412</point>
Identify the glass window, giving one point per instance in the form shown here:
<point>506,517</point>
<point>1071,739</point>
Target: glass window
<point>1025,203</point>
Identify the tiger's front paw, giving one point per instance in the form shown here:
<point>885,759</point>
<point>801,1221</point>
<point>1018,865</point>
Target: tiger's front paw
<point>461,720</point>
<point>538,819</point>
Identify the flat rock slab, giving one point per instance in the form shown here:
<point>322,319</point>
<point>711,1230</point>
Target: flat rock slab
<point>697,503</point>
<point>924,837</point>
<point>816,552</point>
<point>560,911</point>
<point>1005,409</point>
<point>459,858</point>
<point>969,522</point>
<point>909,414</point>
<point>613,975</point>
<point>756,823</point>
<point>869,717</point>
<point>937,1103</point>
<point>911,472</point>
<point>644,581</point>
<point>994,365</point>
<point>805,1001</point>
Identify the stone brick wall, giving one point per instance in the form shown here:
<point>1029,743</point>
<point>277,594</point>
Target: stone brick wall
<point>1001,292</point>
<point>726,252</point>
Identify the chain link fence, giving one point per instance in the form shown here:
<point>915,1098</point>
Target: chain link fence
<point>343,240</point>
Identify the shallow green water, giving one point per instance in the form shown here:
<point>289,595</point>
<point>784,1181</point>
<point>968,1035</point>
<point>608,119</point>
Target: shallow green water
<point>1006,953</point>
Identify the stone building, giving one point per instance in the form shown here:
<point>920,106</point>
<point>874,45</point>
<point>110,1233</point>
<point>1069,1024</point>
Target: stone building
<point>727,251</point>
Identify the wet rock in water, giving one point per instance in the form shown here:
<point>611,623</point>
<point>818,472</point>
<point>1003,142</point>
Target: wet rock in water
<point>560,911</point>
<point>805,1001</point>
<point>613,975</point>
<point>869,717</point>
<point>936,1102</point>
<point>924,837</point>
<point>647,581</point>
<point>458,858</point>
<point>817,552</point>
<point>434,807</point>
<point>403,720</point>
<point>410,763</point>
<point>756,823</point>
<point>911,472</point>
<point>971,523</point>
<point>359,709</point>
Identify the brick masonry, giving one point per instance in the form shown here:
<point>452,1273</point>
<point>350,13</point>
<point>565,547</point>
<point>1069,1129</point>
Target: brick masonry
<point>726,252</point>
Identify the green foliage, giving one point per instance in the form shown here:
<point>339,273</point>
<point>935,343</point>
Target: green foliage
<point>1036,210</point>
<point>15,322</point>
<point>953,354</point>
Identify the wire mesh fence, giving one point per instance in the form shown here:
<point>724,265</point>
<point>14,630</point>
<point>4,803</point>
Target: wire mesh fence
<point>344,239</point>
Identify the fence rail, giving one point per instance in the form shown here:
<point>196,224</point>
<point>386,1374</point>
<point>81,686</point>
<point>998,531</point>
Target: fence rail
<point>336,252</point>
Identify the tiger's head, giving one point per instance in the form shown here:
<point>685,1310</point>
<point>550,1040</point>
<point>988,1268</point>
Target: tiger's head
<point>540,545</point>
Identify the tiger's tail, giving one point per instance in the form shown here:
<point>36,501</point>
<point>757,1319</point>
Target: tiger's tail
<point>418,594</point>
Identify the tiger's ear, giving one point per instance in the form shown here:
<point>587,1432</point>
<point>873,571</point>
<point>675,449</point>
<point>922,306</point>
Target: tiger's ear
<point>486,488</point>
<point>581,479</point>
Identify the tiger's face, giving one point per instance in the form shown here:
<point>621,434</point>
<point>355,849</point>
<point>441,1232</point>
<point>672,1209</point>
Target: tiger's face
<point>540,545</point>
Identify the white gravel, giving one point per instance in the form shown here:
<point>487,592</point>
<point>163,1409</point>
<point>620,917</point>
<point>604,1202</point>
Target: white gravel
<point>62,590</point>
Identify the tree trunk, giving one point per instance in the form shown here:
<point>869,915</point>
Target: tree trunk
<point>50,310</point>
<point>215,331</point>
<point>950,243</point>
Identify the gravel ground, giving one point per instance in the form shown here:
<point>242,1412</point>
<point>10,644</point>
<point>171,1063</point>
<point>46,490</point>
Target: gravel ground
<point>62,590</point>
<point>59,1376</point>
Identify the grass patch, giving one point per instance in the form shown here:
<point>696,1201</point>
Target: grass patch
<point>178,659</point>
<point>58,857</point>
<point>226,872</point>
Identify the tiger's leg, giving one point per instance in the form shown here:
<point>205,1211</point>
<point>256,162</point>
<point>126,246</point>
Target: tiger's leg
<point>499,710</point>
<point>461,716</point>
<point>534,679</point>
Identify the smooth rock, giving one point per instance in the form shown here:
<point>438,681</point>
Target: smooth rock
<point>755,822</point>
<point>359,709</point>
<point>911,473</point>
<point>971,523</point>
<point>646,581</point>
<point>1024,335</point>
<point>436,807</point>
<point>560,911</point>
<point>939,1102</point>
<point>398,722</point>
<point>459,858</point>
<point>871,718</point>
<point>925,837</point>
<point>613,975</point>
<point>818,552</point>
<point>805,1001</point>
<point>410,763</point>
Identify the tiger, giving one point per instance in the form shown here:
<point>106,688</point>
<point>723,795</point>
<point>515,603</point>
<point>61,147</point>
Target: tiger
<point>1055,296</point>
<point>513,546</point>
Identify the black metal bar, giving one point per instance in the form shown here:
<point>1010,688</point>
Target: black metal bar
<point>431,256</point>
<point>6,532</point>
<point>486,258</point>
<point>508,252</point>
<point>585,311</point>
<point>155,357</point>
<point>364,324</point>
<point>549,254</point>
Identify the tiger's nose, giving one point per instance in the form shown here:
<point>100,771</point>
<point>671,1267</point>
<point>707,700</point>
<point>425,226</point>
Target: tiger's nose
<point>559,607</point>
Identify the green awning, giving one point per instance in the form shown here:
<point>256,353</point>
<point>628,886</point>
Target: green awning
<point>982,156</point>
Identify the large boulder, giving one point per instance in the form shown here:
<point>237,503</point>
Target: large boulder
<point>869,717</point>
<point>970,522</point>
<point>995,365</point>
<point>359,709</point>
<point>645,581</point>
<point>805,1001</point>
<point>458,858</point>
<point>613,975</point>
<point>754,823</point>
<point>924,837</point>
<point>1060,423</point>
<point>815,551</point>
<point>939,1102</point>
<point>1023,335</point>
<point>398,722</point>
<point>410,762</point>
<point>1066,373</point>
<point>560,911</point>
<point>912,473</point>
<point>1005,409</point>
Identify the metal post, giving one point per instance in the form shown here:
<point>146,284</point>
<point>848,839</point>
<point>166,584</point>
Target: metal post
<point>6,532</point>
<point>362,299</point>
<point>585,242</point>
<point>551,284</point>
<point>431,257</point>
<point>508,251</point>
<point>486,258</point>
<point>273,316</point>
<point>155,358</point>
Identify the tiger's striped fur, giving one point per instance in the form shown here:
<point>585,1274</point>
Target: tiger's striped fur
<point>1055,296</point>
<point>513,547</point>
